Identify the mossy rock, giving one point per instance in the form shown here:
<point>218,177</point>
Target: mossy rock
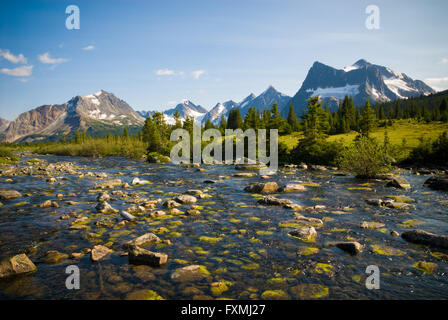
<point>144,294</point>
<point>310,291</point>
<point>210,240</point>
<point>324,268</point>
<point>426,267</point>
<point>217,288</point>
<point>274,295</point>
<point>385,250</point>
<point>440,255</point>
<point>308,251</point>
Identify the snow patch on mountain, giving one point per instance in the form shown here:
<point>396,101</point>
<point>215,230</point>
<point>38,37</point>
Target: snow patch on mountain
<point>338,92</point>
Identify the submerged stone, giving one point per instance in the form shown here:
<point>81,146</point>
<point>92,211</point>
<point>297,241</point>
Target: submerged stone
<point>274,295</point>
<point>139,255</point>
<point>427,238</point>
<point>310,291</point>
<point>144,294</point>
<point>7,194</point>
<point>99,252</point>
<point>190,273</point>
<point>16,265</point>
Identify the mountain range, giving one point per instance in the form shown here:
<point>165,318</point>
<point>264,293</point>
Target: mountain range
<point>362,81</point>
<point>103,112</point>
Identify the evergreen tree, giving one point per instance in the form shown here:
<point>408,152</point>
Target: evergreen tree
<point>223,124</point>
<point>125,133</point>
<point>234,121</point>
<point>208,124</point>
<point>292,119</point>
<point>178,122</point>
<point>368,119</point>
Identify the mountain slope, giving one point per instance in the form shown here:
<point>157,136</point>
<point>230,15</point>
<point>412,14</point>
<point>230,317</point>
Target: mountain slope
<point>362,80</point>
<point>99,114</point>
<point>265,100</point>
<point>3,124</point>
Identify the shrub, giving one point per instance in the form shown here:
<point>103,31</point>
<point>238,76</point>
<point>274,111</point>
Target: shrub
<point>428,152</point>
<point>316,152</point>
<point>365,158</point>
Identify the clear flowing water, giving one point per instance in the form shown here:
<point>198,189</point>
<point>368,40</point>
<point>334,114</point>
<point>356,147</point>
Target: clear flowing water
<point>254,252</point>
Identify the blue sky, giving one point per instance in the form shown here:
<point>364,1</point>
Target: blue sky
<point>153,54</point>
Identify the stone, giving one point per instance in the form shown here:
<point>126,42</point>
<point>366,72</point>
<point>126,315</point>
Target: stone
<point>139,255</point>
<point>137,181</point>
<point>398,205</point>
<point>249,166</point>
<point>426,238</point>
<point>293,188</point>
<point>399,182</point>
<point>437,183</point>
<point>375,202</point>
<point>186,199</point>
<point>143,240</point>
<point>99,252</point>
<point>16,265</point>
<point>54,257</point>
<point>105,207</point>
<point>316,167</point>
<point>127,215</point>
<point>111,183</point>
<point>157,213</point>
<point>394,233</point>
<point>102,197</point>
<point>272,201</point>
<point>304,233</point>
<point>194,192</point>
<point>268,187</point>
<point>7,194</point>
<point>171,204</point>
<point>371,225</point>
<point>352,247</point>
<point>190,273</point>
<point>193,212</point>
<point>244,174</point>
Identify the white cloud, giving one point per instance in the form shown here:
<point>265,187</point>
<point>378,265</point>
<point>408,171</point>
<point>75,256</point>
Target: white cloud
<point>196,74</point>
<point>47,59</point>
<point>23,71</point>
<point>88,48</point>
<point>437,84</point>
<point>168,72</point>
<point>12,58</point>
<point>444,60</point>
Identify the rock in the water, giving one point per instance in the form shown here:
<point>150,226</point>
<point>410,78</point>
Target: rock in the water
<point>244,174</point>
<point>272,201</point>
<point>317,167</point>
<point>398,205</point>
<point>437,183</point>
<point>7,194</point>
<point>352,247</point>
<point>427,238</point>
<point>111,183</point>
<point>19,264</point>
<point>139,255</point>
<point>190,273</point>
<point>399,182</point>
<point>194,192</point>
<point>293,188</point>
<point>105,207</point>
<point>305,233</point>
<point>185,198</point>
<point>375,202</point>
<point>99,252</point>
<point>371,225</point>
<point>136,181</point>
<point>250,166</point>
<point>158,158</point>
<point>143,240</point>
<point>268,187</point>
<point>127,215</point>
<point>102,197</point>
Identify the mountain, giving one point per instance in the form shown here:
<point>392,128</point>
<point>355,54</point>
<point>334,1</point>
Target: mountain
<point>262,102</point>
<point>3,124</point>
<point>265,101</point>
<point>186,109</point>
<point>98,114</point>
<point>219,110</point>
<point>362,80</point>
<point>145,114</point>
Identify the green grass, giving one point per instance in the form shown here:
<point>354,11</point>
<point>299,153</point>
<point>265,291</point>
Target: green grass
<point>132,148</point>
<point>411,130</point>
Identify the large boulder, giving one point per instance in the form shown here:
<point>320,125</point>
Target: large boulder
<point>7,194</point>
<point>437,183</point>
<point>427,238</point>
<point>138,255</point>
<point>19,264</point>
<point>268,187</point>
<point>399,182</point>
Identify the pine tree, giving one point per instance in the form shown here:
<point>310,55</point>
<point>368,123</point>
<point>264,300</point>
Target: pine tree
<point>208,124</point>
<point>234,121</point>
<point>292,119</point>
<point>178,122</point>
<point>368,119</point>
<point>223,124</point>
<point>125,135</point>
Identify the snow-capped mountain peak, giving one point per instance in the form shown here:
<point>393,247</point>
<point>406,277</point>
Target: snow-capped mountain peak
<point>362,80</point>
